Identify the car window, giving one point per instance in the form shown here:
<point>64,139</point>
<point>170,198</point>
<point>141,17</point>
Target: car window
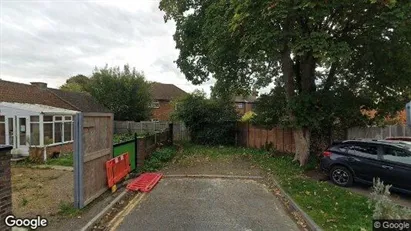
<point>363,150</point>
<point>397,155</point>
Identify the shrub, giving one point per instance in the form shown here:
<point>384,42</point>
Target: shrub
<point>210,121</point>
<point>383,207</point>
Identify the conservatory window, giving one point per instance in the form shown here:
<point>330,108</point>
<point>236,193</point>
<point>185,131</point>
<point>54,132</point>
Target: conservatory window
<point>2,130</point>
<point>58,129</point>
<point>34,130</point>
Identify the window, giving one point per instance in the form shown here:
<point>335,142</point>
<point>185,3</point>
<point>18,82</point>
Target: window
<point>2,130</point>
<point>397,155</point>
<point>57,129</point>
<point>67,131</point>
<point>155,104</point>
<point>363,150</point>
<point>34,130</point>
<point>58,135</point>
<point>240,105</point>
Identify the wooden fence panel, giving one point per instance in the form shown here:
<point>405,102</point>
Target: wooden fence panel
<point>378,132</point>
<point>93,143</point>
<point>254,137</point>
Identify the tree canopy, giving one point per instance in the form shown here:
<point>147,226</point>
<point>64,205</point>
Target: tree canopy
<point>77,83</point>
<point>334,57</point>
<point>210,121</point>
<point>122,90</point>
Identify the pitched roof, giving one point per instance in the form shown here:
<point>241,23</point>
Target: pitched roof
<point>24,93</point>
<point>83,101</point>
<point>162,91</point>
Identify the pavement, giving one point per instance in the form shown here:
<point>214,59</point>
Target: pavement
<point>207,204</point>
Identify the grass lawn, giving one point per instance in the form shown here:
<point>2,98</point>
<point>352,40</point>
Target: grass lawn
<point>330,206</point>
<point>65,160</point>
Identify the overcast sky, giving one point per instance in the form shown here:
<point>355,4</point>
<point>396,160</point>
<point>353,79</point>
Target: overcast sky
<point>50,41</point>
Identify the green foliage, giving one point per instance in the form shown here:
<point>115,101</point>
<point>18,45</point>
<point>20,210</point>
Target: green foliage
<point>247,117</point>
<point>158,159</point>
<point>382,205</point>
<point>67,209</point>
<point>332,57</point>
<point>65,160</point>
<point>124,91</point>
<point>210,121</point>
<point>78,83</point>
<point>120,138</point>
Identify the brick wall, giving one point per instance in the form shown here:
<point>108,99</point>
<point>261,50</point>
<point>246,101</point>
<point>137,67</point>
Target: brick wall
<point>5,186</point>
<point>163,113</point>
<point>147,145</point>
<point>37,154</point>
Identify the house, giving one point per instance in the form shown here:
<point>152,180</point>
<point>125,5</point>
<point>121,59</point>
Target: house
<point>245,104</point>
<point>34,117</point>
<point>163,95</point>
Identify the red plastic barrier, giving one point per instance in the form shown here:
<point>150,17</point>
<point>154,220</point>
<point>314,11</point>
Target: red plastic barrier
<point>117,168</point>
<point>145,182</point>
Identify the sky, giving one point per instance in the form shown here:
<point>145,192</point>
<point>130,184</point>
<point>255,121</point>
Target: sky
<point>50,41</point>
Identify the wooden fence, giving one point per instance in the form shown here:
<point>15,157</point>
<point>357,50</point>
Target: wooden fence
<point>180,131</point>
<point>143,127</point>
<point>378,132</point>
<point>281,139</point>
<point>93,146</point>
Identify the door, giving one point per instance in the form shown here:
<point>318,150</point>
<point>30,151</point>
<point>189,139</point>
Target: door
<point>397,165</point>
<point>363,158</point>
<point>22,134</point>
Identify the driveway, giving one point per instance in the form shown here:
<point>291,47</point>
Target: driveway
<point>207,204</point>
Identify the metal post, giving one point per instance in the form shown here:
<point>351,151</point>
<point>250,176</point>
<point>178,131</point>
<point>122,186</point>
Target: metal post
<point>78,161</point>
<point>135,151</point>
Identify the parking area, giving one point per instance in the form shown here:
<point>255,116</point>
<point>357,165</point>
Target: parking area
<point>208,204</point>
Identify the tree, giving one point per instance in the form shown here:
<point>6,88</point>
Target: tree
<point>322,51</point>
<point>123,91</point>
<point>78,83</point>
<point>210,121</point>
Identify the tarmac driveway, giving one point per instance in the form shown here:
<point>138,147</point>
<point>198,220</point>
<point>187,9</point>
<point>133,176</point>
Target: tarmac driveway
<point>208,204</point>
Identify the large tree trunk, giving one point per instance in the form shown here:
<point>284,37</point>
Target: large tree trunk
<point>302,145</point>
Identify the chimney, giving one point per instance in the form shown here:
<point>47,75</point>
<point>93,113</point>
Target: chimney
<point>40,85</point>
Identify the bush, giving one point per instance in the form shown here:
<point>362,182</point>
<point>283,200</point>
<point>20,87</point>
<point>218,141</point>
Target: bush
<point>383,207</point>
<point>210,121</point>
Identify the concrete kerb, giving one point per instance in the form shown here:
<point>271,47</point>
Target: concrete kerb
<point>310,223</point>
<point>95,219</point>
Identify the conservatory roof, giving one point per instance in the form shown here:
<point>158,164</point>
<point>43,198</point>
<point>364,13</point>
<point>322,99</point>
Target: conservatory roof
<point>38,108</point>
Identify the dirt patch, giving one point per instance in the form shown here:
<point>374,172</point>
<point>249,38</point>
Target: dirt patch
<point>40,191</point>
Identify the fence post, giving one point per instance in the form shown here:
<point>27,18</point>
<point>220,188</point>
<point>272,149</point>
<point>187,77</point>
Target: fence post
<point>171,133</point>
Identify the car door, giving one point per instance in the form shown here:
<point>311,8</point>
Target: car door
<point>363,158</point>
<point>397,165</point>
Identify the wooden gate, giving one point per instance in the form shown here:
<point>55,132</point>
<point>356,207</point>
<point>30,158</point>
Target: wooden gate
<point>93,146</point>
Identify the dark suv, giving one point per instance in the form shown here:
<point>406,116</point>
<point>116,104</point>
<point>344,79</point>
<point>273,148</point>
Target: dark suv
<point>361,161</point>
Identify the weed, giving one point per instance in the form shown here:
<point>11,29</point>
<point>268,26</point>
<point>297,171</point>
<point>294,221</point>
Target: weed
<point>66,160</point>
<point>158,159</point>
<point>24,202</point>
<point>67,209</point>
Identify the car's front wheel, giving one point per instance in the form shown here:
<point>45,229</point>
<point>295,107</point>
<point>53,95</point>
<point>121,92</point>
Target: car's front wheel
<point>341,176</point>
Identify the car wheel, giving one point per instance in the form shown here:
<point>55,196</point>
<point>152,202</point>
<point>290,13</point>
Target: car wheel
<point>341,176</point>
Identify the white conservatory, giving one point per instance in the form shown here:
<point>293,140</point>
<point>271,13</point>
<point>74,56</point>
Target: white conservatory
<point>33,125</point>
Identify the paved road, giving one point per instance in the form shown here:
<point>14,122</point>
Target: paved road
<point>208,204</point>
